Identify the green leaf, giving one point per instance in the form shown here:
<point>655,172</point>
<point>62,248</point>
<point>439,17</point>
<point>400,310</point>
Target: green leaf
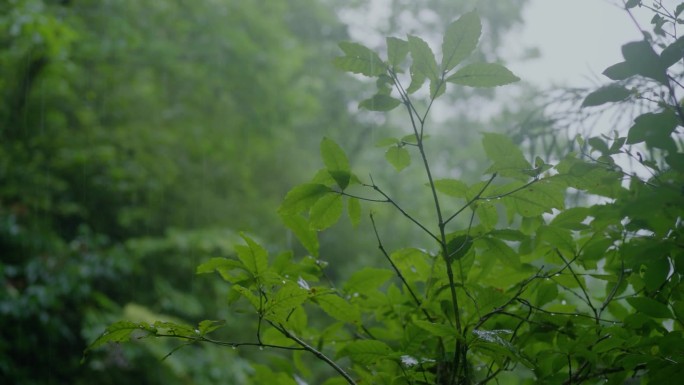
<point>366,352</point>
<point>208,326</point>
<point>458,247</point>
<point>367,279</point>
<point>253,256</point>
<point>338,308</point>
<point>336,162</point>
<point>451,187</point>
<point>508,158</point>
<point>650,307</point>
<point>436,329</point>
<point>121,331</point>
<point>359,59</point>
<point>354,211</point>
<point>397,49</point>
<point>423,59</point>
<point>655,129</point>
<point>499,250</point>
<point>556,237</point>
<point>571,218</point>
<point>483,75</point>
<point>218,264</point>
<point>417,79</point>
<point>620,71</point>
<point>536,199</point>
<point>380,102</point>
<point>280,304</point>
<point>306,235</point>
<point>398,157</point>
<point>674,52</point>
<point>302,197</point>
<point>460,40</point>
<point>657,270</point>
<point>632,3</point>
<point>326,211</point>
<point>645,61</point>
<point>608,94</point>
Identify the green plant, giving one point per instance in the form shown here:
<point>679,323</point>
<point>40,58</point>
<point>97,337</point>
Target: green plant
<point>510,285</point>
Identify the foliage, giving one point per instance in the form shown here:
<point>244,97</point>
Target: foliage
<point>528,291</point>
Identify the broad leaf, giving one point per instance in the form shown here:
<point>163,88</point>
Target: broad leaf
<point>423,59</point>
<point>380,102</point>
<point>398,157</point>
<point>367,279</point>
<point>508,158</point>
<point>336,162</point>
<point>655,129</point>
<point>253,256</point>
<point>436,329</point>
<point>306,235</point>
<point>650,307</point>
<point>366,352</point>
<point>673,53</point>
<point>359,59</point>
<point>326,211</point>
<point>451,187</point>
<point>483,75</point>
<point>302,197</point>
<point>397,49</point>
<point>354,211</point>
<point>608,94</point>
<point>338,308</point>
<point>121,331</point>
<point>460,40</point>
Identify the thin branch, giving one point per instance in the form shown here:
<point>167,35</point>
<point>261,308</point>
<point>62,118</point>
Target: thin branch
<point>315,352</point>
<point>470,202</point>
<point>396,269</point>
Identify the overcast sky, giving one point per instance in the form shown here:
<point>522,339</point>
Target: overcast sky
<point>578,39</point>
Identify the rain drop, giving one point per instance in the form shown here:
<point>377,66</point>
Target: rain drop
<point>563,302</point>
<point>261,348</point>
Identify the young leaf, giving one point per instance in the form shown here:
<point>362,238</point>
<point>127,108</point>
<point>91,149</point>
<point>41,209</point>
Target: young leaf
<point>302,197</point>
<point>397,49</point>
<point>423,59</point>
<point>326,211</point>
<point>460,40</point>
<point>380,102</point>
<point>398,157</point>
<point>336,162</point>
<point>608,94</point>
<point>359,59</point>
<point>483,75</point>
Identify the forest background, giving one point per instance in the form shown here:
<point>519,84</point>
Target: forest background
<point>139,137</point>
